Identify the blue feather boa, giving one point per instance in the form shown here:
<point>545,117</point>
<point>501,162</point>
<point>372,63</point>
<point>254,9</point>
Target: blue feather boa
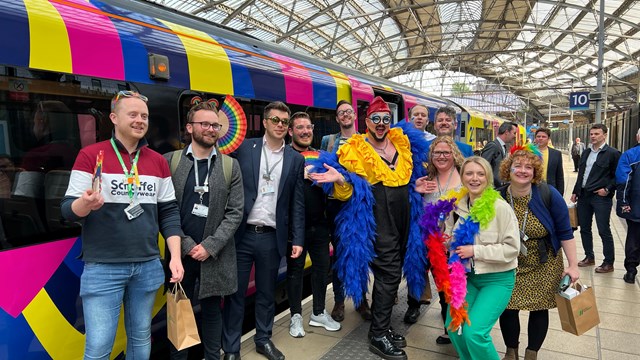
<point>415,259</point>
<point>357,232</point>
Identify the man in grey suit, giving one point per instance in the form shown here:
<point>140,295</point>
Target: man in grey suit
<point>551,160</point>
<point>273,180</point>
<point>211,200</point>
<point>495,151</point>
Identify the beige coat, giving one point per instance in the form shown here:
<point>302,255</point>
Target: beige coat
<point>496,248</point>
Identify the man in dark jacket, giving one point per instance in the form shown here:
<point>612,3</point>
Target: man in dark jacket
<point>553,173</point>
<point>594,191</point>
<point>210,211</point>
<point>628,207</point>
<point>495,151</point>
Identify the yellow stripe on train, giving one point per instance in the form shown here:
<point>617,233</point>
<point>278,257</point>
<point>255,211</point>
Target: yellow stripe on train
<point>49,44</point>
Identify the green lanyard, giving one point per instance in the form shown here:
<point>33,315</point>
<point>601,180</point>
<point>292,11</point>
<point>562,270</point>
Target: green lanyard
<point>132,175</point>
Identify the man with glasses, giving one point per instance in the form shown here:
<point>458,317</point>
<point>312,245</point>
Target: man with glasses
<point>273,181</point>
<point>316,242</point>
<point>445,125</point>
<point>379,164</point>
<point>122,192</point>
<point>346,118</point>
<point>211,199</point>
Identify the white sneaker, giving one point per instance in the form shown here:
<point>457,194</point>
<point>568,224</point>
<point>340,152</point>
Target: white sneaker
<point>325,320</point>
<point>295,326</point>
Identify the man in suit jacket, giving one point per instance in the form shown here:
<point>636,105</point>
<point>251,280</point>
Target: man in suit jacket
<point>497,150</point>
<point>273,179</point>
<point>594,190</point>
<point>551,160</point>
<point>210,213</point>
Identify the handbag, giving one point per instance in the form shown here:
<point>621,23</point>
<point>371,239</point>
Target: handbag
<point>182,330</point>
<point>577,309</point>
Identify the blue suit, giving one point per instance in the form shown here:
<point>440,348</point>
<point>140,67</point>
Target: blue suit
<point>264,249</point>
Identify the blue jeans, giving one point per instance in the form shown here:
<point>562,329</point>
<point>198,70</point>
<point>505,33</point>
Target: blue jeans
<point>104,287</point>
<point>588,205</point>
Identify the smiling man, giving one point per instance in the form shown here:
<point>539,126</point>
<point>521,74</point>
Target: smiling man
<point>445,125</point>
<point>120,226</point>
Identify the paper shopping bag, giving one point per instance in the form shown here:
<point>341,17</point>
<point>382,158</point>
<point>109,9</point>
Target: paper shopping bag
<point>579,313</point>
<point>181,323</point>
<point>573,215</point>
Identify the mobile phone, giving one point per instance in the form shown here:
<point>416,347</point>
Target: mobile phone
<point>565,283</point>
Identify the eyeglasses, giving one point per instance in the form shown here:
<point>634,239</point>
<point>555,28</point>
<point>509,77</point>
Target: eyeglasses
<point>345,112</point>
<point>376,119</point>
<point>275,120</point>
<point>205,125</point>
<point>303,127</point>
<point>446,154</point>
<point>127,94</point>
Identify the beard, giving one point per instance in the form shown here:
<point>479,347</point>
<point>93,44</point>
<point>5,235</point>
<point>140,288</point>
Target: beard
<point>205,142</point>
<point>302,143</point>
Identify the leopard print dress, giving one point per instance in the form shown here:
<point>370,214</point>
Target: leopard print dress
<point>536,283</point>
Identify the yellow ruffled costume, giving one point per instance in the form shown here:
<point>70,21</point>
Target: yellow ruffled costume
<point>358,156</point>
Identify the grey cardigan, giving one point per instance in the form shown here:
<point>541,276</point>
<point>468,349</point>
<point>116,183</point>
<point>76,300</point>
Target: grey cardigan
<point>218,274</point>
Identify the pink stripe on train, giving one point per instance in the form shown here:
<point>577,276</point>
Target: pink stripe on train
<point>297,81</point>
<point>92,56</point>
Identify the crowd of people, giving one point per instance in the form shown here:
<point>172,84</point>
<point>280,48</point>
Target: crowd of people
<point>502,226</point>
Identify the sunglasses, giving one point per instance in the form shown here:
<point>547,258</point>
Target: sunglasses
<point>376,119</point>
<point>275,120</point>
<point>127,94</point>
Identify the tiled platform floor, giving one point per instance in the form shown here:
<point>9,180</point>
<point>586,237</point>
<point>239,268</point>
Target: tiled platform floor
<point>617,336</point>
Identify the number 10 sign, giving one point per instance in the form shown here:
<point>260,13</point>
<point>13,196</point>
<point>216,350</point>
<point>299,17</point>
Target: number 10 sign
<point>579,101</point>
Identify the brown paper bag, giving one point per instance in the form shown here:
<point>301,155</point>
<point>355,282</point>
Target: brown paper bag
<point>181,323</point>
<point>573,215</point>
<point>579,314</point>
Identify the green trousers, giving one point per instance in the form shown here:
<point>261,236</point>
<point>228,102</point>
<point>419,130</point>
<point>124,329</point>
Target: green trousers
<point>487,297</point>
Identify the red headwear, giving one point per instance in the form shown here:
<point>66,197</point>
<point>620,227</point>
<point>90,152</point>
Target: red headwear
<point>378,105</point>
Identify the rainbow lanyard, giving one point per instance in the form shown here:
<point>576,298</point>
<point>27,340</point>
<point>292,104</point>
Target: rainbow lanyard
<point>131,176</point>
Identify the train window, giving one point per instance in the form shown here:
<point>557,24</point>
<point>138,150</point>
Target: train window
<point>45,119</point>
<point>463,129</point>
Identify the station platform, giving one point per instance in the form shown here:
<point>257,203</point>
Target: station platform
<point>617,336</point>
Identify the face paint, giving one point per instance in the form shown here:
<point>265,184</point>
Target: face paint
<point>513,169</point>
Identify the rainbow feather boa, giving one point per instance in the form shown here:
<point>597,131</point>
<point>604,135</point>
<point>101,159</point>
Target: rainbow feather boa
<point>450,276</point>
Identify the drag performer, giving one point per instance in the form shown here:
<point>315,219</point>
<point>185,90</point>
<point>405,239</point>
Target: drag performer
<point>375,175</point>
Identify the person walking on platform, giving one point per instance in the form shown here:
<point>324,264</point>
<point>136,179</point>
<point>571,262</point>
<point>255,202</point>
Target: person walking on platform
<point>209,191</point>
<point>347,119</point>
<point>594,192</point>
<point>544,226</point>
<point>273,182</point>
<point>576,152</point>
<point>552,169</point>
<point>446,124</point>
<point>628,207</point>
<point>120,250</point>
<point>495,151</point>
<point>316,242</point>
<point>378,234</point>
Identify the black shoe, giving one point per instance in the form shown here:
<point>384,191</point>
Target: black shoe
<point>269,351</point>
<point>396,339</point>
<point>384,348</point>
<point>441,340</point>
<point>231,356</point>
<point>629,277</point>
<point>412,314</point>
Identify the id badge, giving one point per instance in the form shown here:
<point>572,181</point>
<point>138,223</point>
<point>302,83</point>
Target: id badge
<point>200,210</point>
<point>267,189</point>
<point>201,189</point>
<point>133,211</point>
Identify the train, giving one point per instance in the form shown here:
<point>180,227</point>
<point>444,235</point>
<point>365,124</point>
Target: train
<point>61,61</point>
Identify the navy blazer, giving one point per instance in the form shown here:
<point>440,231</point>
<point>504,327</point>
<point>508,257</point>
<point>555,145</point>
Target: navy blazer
<point>555,173</point>
<point>493,153</point>
<point>290,203</point>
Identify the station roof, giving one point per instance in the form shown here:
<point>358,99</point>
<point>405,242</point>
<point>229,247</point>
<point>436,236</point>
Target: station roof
<point>537,50</point>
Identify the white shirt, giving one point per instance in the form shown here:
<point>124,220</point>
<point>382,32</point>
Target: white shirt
<point>502,146</point>
<point>428,136</point>
<point>591,159</point>
<point>264,208</point>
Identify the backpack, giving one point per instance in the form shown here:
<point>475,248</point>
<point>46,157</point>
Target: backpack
<point>227,165</point>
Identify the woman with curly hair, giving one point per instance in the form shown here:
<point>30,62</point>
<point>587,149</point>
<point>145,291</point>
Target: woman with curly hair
<point>544,228</point>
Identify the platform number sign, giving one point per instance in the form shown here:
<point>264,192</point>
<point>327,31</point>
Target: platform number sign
<point>579,101</point>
